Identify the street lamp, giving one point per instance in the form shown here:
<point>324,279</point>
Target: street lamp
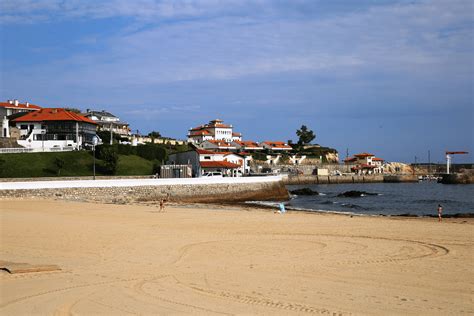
<point>43,133</point>
<point>95,141</point>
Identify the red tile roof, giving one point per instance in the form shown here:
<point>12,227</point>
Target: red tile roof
<point>218,164</point>
<point>377,159</point>
<point>362,155</point>
<point>280,145</point>
<point>248,143</point>
<point>20,106</point>
<point>205,152</point>
<point>53,114</point>
<point>199,133</point>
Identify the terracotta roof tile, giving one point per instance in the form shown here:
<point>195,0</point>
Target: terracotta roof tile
<point>20,106</point>
<point>53,114</point>
<point>218,164</point>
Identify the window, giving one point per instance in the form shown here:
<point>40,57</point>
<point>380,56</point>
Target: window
<point>23,126</point>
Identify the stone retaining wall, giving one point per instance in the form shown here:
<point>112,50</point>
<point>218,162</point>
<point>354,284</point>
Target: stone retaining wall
<point>222,192</point>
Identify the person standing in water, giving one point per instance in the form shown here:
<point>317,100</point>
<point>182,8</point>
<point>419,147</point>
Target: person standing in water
<point>440,212</point>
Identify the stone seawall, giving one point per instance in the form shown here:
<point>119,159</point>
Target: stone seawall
<point>125,191</point>
<point>310,179</point>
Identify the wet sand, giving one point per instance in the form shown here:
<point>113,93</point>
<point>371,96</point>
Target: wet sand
<point>132,259</point>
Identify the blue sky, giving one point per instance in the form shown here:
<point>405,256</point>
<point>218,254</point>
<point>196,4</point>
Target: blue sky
<point>395,78</point>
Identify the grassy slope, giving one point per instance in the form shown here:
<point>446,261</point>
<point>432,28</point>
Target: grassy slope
<point>76,163</point>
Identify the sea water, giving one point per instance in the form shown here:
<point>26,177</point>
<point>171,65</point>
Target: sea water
<point>417,199</point>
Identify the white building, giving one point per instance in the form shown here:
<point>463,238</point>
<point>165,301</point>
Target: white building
<point>108,122</point>
<point>12,107</point>
<point>365,163</point>
<point>217,145</point>
<point>214,130</point>
<point>202,161</point>
<point>51,129</point>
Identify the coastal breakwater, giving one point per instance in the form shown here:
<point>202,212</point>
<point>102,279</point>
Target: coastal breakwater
<point>189,190</point>
<point>458,178</point>
<point>313,179</point>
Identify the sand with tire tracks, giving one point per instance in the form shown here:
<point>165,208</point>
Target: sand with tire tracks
<point>132,259</point>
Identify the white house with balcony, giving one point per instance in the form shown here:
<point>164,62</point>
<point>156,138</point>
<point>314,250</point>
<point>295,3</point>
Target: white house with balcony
<point>214,130</point>
<point>54,129</point>
<point>108,122</point>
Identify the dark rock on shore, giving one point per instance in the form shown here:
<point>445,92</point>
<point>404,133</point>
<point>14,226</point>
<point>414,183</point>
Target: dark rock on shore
<point>355,194</point>
<point>304,191</point>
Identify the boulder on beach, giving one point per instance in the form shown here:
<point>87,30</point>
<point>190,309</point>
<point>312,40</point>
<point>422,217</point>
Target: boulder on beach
<point>355,194</point>
<point>304,191</point>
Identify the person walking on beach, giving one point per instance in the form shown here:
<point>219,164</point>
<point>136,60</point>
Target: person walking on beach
<point>440,212</point>
<point>162,205</point>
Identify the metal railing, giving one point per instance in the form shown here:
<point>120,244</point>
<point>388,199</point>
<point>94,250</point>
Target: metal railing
<point>33,150</point>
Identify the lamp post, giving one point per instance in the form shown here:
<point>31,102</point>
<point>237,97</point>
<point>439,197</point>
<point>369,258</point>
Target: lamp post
<point>95,140</point>
<point>43,133</point>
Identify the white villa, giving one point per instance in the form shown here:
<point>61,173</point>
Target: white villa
<point>54,129</point>
<point>214,130</point>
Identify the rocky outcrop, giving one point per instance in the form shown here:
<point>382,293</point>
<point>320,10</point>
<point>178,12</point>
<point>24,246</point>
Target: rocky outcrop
<point>397,168</point>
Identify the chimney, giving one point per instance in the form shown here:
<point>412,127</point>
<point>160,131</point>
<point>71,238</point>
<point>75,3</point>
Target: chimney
<point>16,102</point>
<point>27,104</point>
<point>10,101</point>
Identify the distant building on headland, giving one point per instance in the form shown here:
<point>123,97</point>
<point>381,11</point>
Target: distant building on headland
<point>214,130</point>
<point>365,163</point>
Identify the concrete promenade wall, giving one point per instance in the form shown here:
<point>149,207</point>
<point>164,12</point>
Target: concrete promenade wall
<point>142,190</point>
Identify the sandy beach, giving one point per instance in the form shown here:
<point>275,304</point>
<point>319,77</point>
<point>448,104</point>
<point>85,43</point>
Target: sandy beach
<point>132,259</point>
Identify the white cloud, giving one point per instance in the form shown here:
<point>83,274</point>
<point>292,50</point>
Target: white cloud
<point>418,39</point>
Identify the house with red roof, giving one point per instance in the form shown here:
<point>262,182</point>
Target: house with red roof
<point>214,130</point>
<point>12,107</point>
<point>365,163</point>
<point>54,129</point>
<point>276,146</point>
<point>202,161</point>
<point>247,145</point>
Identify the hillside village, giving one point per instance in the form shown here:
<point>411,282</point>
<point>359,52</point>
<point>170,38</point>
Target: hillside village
<point>213,148</point>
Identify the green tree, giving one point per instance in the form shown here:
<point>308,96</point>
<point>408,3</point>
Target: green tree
<point>305,135</point>
<point>109,155</point>
<point>74,110</point>
<point>59,163</point>
<point>154,134</point>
